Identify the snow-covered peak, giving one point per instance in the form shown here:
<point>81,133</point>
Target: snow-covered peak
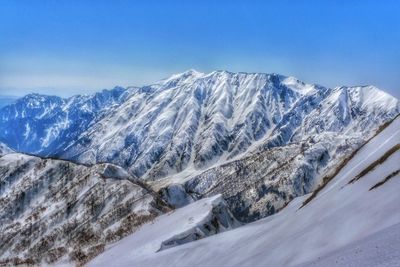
<point>190,72</point>
<point>181,78</point>
<point>35,100</point>
<point>193,77</point>
<point>299,86</point>
<point>371,97</point>
<point>40,124</point>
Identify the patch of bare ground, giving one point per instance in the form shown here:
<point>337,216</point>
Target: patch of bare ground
<point>393,174</point>
<point>373,165</point>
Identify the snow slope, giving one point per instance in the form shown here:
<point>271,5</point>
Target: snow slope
<point>379,250</point>
<point>180,224</point>
<point>341,214</point>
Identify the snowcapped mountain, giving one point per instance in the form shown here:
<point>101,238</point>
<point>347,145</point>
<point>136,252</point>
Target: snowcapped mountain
<point>196,120</point>
<point>190,120</point>
<point>353,220</point>
<point>54,210</point>
<point>225,148</point>
<point>258,139</point>
<point>41,124</point>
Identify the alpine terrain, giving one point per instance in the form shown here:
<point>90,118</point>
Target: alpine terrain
<point>354,220</point>
<point>201,169</point>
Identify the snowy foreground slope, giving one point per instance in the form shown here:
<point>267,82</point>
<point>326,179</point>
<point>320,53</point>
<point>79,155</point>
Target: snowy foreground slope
<point>358,209</point>
<point>181,225</point>
<point>380,249</point>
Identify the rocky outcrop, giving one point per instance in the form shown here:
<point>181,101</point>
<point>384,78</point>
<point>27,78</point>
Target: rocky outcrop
<point>218,219</point>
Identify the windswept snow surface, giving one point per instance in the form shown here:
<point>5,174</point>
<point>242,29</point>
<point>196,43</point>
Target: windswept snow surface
<point>378,250</point>
<point>340,215</point>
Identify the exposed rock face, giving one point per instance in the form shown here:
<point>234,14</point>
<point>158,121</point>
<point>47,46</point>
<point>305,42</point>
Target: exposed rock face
<point>53,209</point>
<point>216,220</point>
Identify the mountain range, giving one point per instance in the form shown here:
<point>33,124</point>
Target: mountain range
<point>243,144</point>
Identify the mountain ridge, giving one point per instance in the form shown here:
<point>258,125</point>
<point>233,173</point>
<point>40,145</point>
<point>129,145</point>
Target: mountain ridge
<point>254,141</point>
<point>192,122</point>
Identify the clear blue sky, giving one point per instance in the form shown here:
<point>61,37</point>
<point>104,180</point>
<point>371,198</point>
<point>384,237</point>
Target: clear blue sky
<point>69,47</point>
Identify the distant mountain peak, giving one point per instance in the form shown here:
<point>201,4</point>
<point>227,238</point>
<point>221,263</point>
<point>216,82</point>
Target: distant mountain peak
<point>188,75</point>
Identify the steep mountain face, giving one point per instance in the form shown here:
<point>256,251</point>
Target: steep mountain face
<point>191,119</point>
<point>194,120</point>
<point>352,221</point>
<point>41,124</point>
<point>345,111</point>
<point>303,149</point>
<point>55,210</point>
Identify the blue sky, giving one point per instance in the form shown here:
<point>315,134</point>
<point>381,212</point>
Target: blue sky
<point>68,47</point>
